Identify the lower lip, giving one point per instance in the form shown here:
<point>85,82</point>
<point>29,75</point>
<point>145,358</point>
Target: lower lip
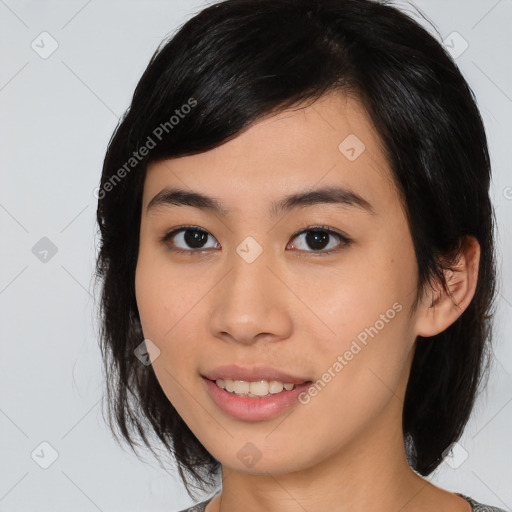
<point>254,409</point>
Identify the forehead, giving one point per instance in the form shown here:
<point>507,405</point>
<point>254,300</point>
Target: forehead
<point>331,142</point>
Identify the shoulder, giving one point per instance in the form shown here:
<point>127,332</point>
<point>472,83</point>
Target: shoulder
<point>477,507</point>
<point>199,507</point>
<point>480,507</point>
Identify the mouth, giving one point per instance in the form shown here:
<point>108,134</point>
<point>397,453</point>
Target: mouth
<point>254,381</point>
<point>255,400</point>
<point>256,389</point>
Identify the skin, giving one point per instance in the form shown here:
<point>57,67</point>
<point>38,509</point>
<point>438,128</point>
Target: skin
<point>296,310</point>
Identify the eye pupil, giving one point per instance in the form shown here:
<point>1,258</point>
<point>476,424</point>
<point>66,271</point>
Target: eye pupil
<point>317,239</point>
<point>197,236</point>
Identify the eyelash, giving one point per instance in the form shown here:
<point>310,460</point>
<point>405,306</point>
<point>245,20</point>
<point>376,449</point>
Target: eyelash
<point>344,241</point>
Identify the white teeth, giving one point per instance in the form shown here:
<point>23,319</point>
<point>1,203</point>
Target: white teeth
<point>256,388</point>
<point>241,387</point>
<point>253,389</point>
<point>275,387</point>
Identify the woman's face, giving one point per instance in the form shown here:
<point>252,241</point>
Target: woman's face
<point>262,287</point>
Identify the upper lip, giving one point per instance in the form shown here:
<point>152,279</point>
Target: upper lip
<point>252,374</point>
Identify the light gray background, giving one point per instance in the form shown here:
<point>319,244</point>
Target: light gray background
<point>57,115</point>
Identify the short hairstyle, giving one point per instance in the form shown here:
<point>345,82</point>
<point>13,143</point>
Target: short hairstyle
<point>238,61</point>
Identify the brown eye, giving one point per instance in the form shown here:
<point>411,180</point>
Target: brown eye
<point>320,239</point>
<point>189,239</point>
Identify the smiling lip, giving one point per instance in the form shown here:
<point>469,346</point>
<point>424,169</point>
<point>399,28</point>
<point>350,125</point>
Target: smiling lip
<point>254,409</point>
<point>253,374</point>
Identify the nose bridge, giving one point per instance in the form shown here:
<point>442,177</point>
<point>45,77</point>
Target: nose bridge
<point>249,261</point>
<point>249,279</point>
<point>248,303</point>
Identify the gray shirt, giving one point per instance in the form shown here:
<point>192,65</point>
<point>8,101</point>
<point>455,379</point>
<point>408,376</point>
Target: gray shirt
<point>476,506</point>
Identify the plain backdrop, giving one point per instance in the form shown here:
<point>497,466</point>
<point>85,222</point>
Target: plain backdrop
<point>68,70</point>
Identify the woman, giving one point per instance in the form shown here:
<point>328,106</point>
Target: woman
<point>297,258</point>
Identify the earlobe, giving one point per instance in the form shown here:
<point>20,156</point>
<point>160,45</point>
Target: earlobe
<point>442,307</point>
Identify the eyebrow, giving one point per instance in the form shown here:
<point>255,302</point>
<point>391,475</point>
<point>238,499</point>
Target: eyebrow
<point>173,196</point>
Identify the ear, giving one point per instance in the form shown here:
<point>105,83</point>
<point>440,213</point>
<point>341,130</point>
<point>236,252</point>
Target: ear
<point>440,308</point>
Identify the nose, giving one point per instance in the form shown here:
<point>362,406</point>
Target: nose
<point>251,302</point>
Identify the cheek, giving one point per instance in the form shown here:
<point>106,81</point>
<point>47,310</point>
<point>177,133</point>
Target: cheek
<point>369,337</point>
<point>165,294</point>
<point>151,299</point>
<point>163,316</point>
<point>359,371</point>
<point>368,296</point>
<point>168,301</point>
